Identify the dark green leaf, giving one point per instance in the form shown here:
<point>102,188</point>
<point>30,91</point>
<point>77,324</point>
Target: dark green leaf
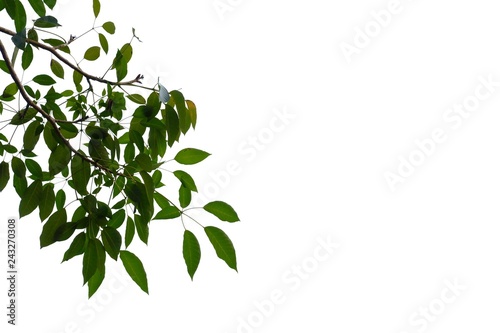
<point>34,168</point>
<point>222,245</point>
<point>18,167</point>
<point>76,248</point>
<point>23,116</point>
<point>77,79</point>
<point>20,17</point>
<point>90,260</point>
<point>4,174</point>
<point>112,241</point>
<point>38,7</point>
<point>50,3</point>
<point>31,198</point>
<point>65,231</point>
<point>129,231</point>
<point>44,80</point>
<point>142,228</point>
<point>47,22</point>
<point>135,269</point>
<point>80,171</point>
<point>59,159</point>
<point>10,91</point>
<point>144,162</point>
<point>47,201</point>
<point>32,135</point>
<point>191,252</point>
<point>50,227</point>
<point>161,200</point>
<point>190,156</point>
<point>98,152</point>
<point>27,57</point>
<point>56,68</point>
<point>96,280</point>
<point>222,210</point>
<point>60,199</point>
<point>184,196</point>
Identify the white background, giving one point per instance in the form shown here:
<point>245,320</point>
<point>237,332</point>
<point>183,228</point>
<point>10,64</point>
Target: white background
<point>319,178</point>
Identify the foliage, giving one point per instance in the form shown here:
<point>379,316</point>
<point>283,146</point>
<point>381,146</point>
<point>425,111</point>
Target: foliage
<point>104,162</point>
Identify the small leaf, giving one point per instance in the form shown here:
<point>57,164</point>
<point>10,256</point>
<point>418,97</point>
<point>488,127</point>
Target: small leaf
<point>92,53</point>
<point>47,22</point>
<point>47,201</point>
<point>184,196</point>
<point>186,180</point>
<point>167,213</point>
<point>109,27</point>
<point>59,159</point>
<point>56,68</point>
<point>31,198</point>
<point>76,248</point>
<point>34,168</point>
<point>44,80</point>
<point>129,231</point>
<point>142,228</point>
<point>136,98</point>
<point>135,269</point>
<point>50,3</point>
<point>222,245</point>
<point>32,135</point>
<point>27,57</point>
<point>117,219</point>
<point>18,167</point>
<point>104,43</point>
<point>222,210</point>
<point>48,235</point>
<point>96,280</point>
<point>189,156</point>
<point>191,252</point>
<point>60,199</point>
<point>112,241</point>
<point>89,260</point>
<point>4,174</point>
<point>96,7</point>
<point>164,96</point>
<point>80,171</point>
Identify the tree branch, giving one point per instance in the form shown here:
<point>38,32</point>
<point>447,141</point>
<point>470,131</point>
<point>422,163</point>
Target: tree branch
<point>45,115</point>
<point>71,65</point>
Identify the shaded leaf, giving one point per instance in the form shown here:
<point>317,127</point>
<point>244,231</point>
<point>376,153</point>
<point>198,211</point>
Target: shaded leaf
<point>76,248</point>
<point>47,201</point>
<point>80,172</point>
<point>4,174</point>
<point>112,241</point>
<point>186,180</point>
<point>50,227</point>
<point>34,168</point>
<point>59,159</point>
<point>31,198</point>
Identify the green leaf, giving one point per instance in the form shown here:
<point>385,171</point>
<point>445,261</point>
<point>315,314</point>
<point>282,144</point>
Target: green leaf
<point>129,231</point>
<point>144,162</point>
<point>32,135</point>
<point>190,156</point>
<point>161,200</point>
<point>109,27</point>
<point>96,7</point>
<point>142,228</point>
<point>191,252</point>
<point>98,152</point>
<point>27,57</point>
<point>76,248</point>
<point>20,17</point>
<point>60,199</point>
<point>167,213</point>
<point>31,198</point>
<point>184,196</point>
<point>18,167</point>
<point>20,184</point>
<point>186,180</point>
<point>136,98</point>
<point>65,231</point>
<point>172,121</point>
<point>90,260</point>
<point>38,7</point>
<point>96,280</point>
<point>192,112</point>
<point>135,269</point>
<point>59,159</point>
<point>34,168</point>
<point>23,116</point>
<point>56,68</point>
<point>117,219</point>
<point>47,22</point>
<point>4,174</point>
<point>44,80</point>
<point>47,201</point>
<point>222,245</point>
<point>50,3</point>
<point>50,227</point>
<point>10,91</point>
<point>92,53</point>
<point>222,210</point>
<point>104,43</point>
<point>112,241</point>
<point>77,79</point>
<point>80,172</point>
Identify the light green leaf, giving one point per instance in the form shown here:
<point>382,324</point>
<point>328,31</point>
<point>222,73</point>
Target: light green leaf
<point>191,252</point>
<point>222,210</point>
<point>189,156</point>
<point>135,269</point>
<point>92,53</point>
<point>56,68</point>
<point>222,245</point>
